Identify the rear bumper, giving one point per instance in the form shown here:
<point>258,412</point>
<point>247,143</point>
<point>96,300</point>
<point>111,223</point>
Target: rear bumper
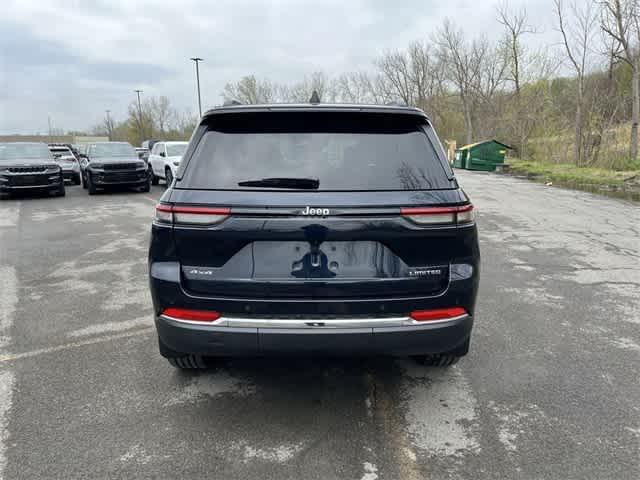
<point>397,336</point>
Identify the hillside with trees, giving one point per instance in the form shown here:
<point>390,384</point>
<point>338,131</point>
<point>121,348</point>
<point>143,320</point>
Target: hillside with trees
<point>571,102</point>
<point>575,101</point>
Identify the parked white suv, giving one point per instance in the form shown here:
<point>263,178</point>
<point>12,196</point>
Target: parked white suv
<point>164,160</point>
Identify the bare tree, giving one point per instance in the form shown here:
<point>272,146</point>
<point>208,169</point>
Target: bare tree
<point>356,87</point>
<point>301,92</point>
<point>141,119</point>
<point>577,38</point>
<point>186,123</point>
<point>413,76</point>
<point>395,69</point>
<point>489,90</point>
<point>108,125</point>
<point>621,21</point>
<point>249,90</point>
<point>516,27</point>
<point>161,112</point>
<point>463,61</point>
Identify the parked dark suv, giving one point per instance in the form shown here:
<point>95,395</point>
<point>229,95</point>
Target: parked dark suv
<point>314,229</point>
<point>109,164</point>
<point>26,166</point>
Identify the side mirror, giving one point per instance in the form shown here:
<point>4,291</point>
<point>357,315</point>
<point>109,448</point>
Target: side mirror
<point>162,154</point>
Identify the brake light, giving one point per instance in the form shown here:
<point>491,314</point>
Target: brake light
<point>190,215</point>
<point>192,315</point>
<point>439,215</point>
<point>437,314</point>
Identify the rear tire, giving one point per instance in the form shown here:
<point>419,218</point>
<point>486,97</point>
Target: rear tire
<point>76,180</point>
<point>84,182</point>
<point>146,187</point>
<point>189,362</point>
<point>437,360</point>
<point>168,177</point>
<point>154,178</point>
<point>180,360</point>
<point>445,359</point>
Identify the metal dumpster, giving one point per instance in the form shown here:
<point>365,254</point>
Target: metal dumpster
<point>483,155</point>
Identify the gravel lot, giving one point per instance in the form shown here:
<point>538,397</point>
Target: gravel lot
<point>550,389</point>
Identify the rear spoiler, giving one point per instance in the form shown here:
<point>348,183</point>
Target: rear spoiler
<point>330,108</point>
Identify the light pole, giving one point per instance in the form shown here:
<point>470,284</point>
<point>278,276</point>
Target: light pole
<point>196,60</point>
<point>140,116</point>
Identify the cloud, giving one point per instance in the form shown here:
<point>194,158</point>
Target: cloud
<point>72,61</point>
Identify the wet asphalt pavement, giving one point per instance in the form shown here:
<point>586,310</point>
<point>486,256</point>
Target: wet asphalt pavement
<point>550,389</point>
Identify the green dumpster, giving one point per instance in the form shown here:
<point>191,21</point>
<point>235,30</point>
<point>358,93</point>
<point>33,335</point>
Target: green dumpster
<point>460,159</point>
<point>483,155</point>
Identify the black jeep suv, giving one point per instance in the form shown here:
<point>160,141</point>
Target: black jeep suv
<point>314,229</point>
<point>26,166</point>
<point>109,164</point>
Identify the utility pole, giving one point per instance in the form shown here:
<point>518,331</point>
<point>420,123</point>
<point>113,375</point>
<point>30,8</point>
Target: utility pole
<point>196,60</point>
<point>109,128</point>
<point>140,116</point>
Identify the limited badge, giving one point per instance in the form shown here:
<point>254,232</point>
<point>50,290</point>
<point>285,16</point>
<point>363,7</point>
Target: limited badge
<point>425,272</point>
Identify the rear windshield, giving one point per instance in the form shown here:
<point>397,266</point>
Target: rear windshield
<point>345,151</point>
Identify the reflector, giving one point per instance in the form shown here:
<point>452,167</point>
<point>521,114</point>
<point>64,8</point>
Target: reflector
<point>193,315</point>
<point>437,314</point>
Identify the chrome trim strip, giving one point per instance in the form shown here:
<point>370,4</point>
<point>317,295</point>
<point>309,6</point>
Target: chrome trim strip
<point>239,322</point>
<point>32,186</point>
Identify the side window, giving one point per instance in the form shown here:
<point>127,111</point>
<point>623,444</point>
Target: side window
<point>90,151</point>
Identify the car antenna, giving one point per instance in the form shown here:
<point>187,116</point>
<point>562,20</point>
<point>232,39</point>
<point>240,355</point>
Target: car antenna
<point>315,98</point>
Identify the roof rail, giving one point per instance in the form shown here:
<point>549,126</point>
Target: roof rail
<point>232,103</point>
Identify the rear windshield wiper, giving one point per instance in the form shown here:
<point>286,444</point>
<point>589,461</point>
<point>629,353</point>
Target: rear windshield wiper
<point>303,183</point>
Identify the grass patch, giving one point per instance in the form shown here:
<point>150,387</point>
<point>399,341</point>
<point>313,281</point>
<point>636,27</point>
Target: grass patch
<point>626,182</point>
<point>567,173</point>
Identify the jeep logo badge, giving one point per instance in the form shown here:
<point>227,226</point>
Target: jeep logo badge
<point>320,212</point>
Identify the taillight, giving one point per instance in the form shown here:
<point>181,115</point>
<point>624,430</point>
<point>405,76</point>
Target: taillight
<point>164,213</point>
<point>191,315</point>
<point>188,215</point>
<point>437,314</point>
<point>439,215</point>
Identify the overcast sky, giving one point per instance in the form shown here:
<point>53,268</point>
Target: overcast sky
<point>71,60</point>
